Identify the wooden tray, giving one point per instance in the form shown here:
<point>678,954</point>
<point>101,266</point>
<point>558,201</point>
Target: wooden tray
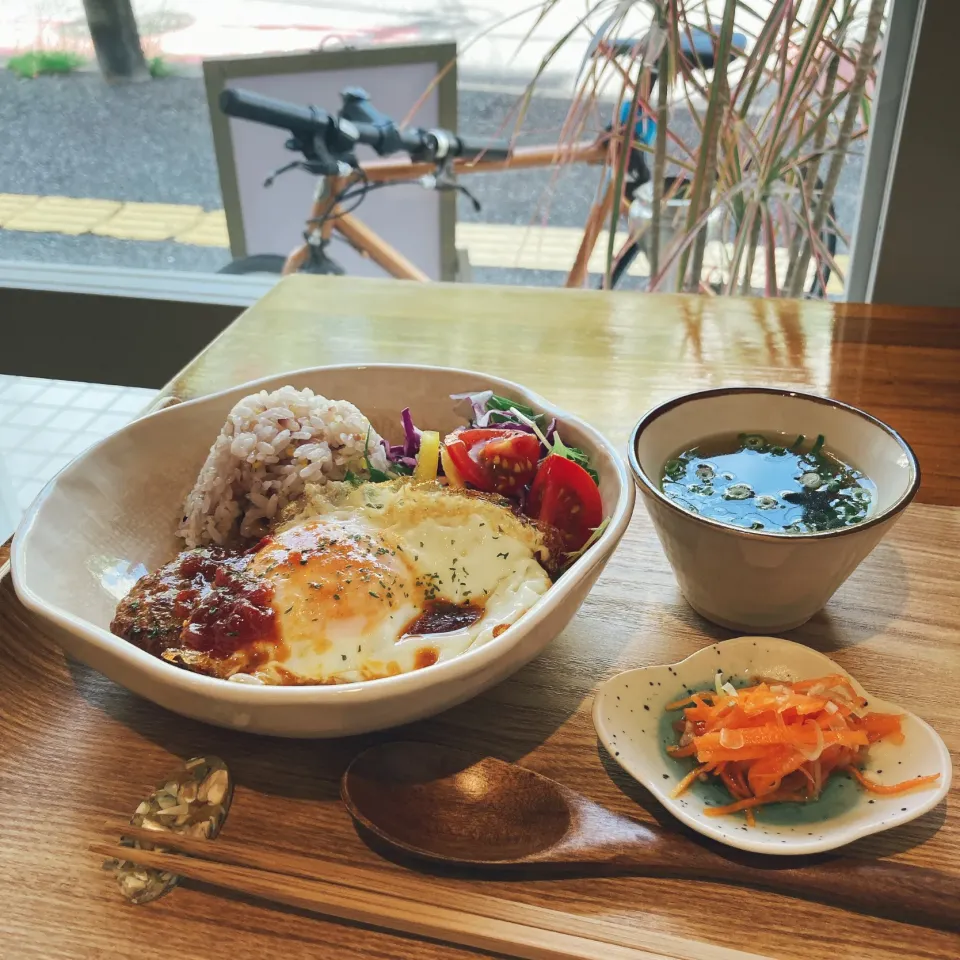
<point>74,747</point>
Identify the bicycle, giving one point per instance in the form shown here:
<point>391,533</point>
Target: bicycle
<point>435,159</point>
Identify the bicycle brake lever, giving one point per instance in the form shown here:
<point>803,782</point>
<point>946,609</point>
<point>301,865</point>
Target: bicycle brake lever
<point>462,189</point>
<point>280,171</point>
<point>431,182</point>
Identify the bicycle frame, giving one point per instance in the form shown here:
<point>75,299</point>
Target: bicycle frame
<point>326,212</point>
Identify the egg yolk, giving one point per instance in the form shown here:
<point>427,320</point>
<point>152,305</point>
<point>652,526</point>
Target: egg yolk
<point>336,567</point>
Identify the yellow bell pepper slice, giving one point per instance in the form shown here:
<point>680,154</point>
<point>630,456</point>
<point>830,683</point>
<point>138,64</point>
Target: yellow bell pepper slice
<point>453,476</point>
<point>426,468</point>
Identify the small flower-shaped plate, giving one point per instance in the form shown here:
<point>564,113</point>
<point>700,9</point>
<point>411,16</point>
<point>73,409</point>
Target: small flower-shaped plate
<point>633,725</point>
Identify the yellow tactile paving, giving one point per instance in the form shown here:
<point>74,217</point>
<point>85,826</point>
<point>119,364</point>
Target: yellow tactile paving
<point>487,244</point>
<point>13,203</point>
<point>527,247</point>
<point>149,221</point>
<point>69,215</point>
<point>555,248</point>
<point>210,230</point>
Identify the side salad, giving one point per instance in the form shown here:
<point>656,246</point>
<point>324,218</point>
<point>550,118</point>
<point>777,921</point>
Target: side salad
<point>777,742</point>
<point>507,448</point>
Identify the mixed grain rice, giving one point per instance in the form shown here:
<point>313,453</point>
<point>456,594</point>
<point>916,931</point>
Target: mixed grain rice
<point>270,447</point>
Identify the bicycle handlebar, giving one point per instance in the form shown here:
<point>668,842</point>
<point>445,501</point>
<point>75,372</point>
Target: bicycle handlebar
<point>306,123</point>
<point>274,113</point>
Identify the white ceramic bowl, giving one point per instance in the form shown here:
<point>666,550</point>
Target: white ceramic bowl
<point>628,712</point>
<point>753,581</point>
<point>111,514</point>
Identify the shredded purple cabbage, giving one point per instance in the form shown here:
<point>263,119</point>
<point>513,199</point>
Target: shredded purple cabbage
<point>507,425</point>
<point>404,453</point>
<point>479,402</point>
<point>399,452</point>
<point>411,443</point>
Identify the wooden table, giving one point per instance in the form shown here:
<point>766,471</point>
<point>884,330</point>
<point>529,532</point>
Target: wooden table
<point>74,747</point>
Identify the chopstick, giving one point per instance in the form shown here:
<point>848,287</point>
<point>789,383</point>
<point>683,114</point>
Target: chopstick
<point>329,887</point>
<point>383,910</point>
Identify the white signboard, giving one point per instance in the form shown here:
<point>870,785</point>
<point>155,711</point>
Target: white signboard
<point>273,219</point>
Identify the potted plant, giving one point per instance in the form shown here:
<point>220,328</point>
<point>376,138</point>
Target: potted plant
<point>743,121</point>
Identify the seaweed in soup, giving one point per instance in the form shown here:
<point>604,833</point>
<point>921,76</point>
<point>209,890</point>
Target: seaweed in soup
<point>768,482</point>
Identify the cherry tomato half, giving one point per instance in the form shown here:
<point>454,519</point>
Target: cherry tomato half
<point>496,461</point>
<point>565,496</point>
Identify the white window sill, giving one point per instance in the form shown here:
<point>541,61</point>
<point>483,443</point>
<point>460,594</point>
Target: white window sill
<point>219,288</point>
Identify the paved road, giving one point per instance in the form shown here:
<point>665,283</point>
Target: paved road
<point>76,136</point>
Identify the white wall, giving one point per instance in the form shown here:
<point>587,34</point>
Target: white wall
<point>917,255</point>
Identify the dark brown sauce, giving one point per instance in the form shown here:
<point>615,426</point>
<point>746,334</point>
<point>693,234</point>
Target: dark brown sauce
<point>205,600</point>
<point>443,616</point>
<point>290,679</point>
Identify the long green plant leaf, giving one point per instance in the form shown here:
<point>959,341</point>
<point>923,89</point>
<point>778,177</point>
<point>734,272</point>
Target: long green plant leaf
<point>702,185</point>
<point>760,128</point>
<point>666,18</point>
<point>682,247</point>
<point>627,134</point>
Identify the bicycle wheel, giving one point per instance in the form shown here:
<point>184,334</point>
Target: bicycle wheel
<point>259,263</point>
<point>319,263</point>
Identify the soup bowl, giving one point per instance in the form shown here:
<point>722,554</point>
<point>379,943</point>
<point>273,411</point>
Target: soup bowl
<point>756,581</point>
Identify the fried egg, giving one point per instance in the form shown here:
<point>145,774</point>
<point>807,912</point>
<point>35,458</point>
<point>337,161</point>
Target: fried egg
<point>386,578</point>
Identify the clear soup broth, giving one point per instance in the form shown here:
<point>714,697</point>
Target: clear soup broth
<point>776,483</point>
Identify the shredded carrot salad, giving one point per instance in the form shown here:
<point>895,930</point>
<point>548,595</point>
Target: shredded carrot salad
<point>776,741</point>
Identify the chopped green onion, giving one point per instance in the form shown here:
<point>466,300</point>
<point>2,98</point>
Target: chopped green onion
<point>675,469</point>
<point>755,441</point>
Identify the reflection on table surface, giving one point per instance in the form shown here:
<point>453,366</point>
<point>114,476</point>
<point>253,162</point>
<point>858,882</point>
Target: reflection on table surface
<point>609,357</point>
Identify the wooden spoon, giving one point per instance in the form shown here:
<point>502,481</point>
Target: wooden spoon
<point>449,807</point>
